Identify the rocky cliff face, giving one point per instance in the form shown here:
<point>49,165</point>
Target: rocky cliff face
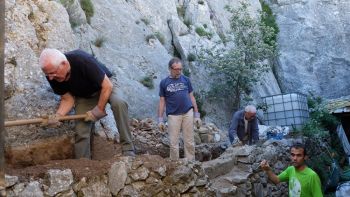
<point>138,37</point>
<point>314,45</point>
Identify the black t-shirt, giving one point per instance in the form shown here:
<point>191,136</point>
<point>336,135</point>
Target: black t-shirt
<point>86,76</point>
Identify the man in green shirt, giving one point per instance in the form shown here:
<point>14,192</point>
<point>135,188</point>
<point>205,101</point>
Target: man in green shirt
<point>302,181</point>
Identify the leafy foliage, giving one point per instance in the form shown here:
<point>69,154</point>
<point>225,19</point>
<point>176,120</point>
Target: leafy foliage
<point>157,35</point>
<point>99,41</point>
<point>202,32</point>
<point>150,36</point>
<point>181,11</point>
<point>237,69</point>
<point>321,121</point>
<point>199,100</point>
<point>186,71</point>
<point>323,142</point>
<point>160,37</point>
<point>88,8</point>
<point>191,57</point>
<point>147,81</point>
<point>145,21</point>
<point>269,20</point>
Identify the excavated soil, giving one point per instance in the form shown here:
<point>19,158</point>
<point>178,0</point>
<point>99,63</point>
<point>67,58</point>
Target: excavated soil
<point>104,153</point>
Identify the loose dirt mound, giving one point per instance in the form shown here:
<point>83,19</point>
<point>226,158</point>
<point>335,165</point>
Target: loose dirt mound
<point>57,153</point>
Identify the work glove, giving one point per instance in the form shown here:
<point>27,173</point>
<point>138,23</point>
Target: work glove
<point>52,121</point>
<point>161,124</point>
<point>197,120</point>
<point>95,114</point>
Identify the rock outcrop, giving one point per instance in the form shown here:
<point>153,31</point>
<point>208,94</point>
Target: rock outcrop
<point>314,46</point>
<point>135,39</point>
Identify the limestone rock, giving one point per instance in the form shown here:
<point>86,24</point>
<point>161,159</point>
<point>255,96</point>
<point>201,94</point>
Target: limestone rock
<point>117,176</point>
<point>10,180</point>
<point>59,181</point>
<point>32,190</point>
<point>97,187</point>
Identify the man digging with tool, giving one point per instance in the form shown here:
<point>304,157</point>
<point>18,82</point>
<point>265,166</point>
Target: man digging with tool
<point>83,82</point>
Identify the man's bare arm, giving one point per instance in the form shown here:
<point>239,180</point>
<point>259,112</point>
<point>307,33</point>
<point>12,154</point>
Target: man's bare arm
<point>161,106</point>
<point>106,91</point>
<point>66,104</point>
<point>272,176</point>
<point>194,103</point>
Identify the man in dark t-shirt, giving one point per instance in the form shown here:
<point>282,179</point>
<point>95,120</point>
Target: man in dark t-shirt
<point>83,82</point>
<point>176,96</point>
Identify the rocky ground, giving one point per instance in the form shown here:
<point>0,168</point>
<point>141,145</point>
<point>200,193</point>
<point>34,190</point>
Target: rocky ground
<point>45,168</point>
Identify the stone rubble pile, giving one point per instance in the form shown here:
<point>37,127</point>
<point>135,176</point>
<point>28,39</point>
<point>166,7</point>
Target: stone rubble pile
<point>149,139</point>
<point>208,133</point>
<point>237,172</point>
<point>142,176</point>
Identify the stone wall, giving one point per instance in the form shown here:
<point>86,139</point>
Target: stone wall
<point>126,176</point>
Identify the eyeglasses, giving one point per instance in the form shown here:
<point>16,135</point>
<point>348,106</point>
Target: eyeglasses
<point>177,69</point>
<point>54,73</point>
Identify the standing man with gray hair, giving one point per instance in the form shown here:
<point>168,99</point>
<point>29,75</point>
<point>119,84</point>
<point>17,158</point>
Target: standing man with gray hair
<point>245,125</point>
<point>83,82</point>
<point>176,95</point>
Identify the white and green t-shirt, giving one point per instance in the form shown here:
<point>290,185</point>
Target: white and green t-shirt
<point>305,183</point>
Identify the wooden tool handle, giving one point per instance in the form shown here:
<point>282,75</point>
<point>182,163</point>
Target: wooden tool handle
<point>41,120</point>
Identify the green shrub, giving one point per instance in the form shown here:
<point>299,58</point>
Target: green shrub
<point>238,69</point>
<point>205,26</point>
<point>186,72</point>
<point>145,21</point>
<point>147,82</point>
<point>191,57</point>
<point>73,24</point>
<point>150,36</point>
<point>180,11</point>
<point>99,41</point>
<point>321,121</point>
<point>269,20</point>
<point>263,106</point>
<point>187,23</point>
<point>160,37</point>
<point>199,100</point>
<point>201,32</point>
<point>88,8</point>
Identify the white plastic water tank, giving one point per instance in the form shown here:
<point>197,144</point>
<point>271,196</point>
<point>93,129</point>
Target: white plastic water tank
<point>286,110</point>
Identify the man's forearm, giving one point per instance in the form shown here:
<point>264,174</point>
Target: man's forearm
<point>273,177</point>
<point>194,103</point>
<point>106,91</point>
<point>66,104</point>
<point>102,101</point>
<point>160,109</point>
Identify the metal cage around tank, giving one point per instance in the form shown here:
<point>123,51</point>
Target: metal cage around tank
<point>286,110</point>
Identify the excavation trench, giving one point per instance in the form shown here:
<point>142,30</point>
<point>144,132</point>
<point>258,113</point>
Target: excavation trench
<point>36,158</point>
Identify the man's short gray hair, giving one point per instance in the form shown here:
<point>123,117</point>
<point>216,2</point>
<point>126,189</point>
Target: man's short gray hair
<point>250,109</point>
<point>174,60</point>
<point>53,56</point>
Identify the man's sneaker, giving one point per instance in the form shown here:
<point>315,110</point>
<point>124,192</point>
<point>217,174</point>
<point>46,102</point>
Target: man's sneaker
<point>130,153</point>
